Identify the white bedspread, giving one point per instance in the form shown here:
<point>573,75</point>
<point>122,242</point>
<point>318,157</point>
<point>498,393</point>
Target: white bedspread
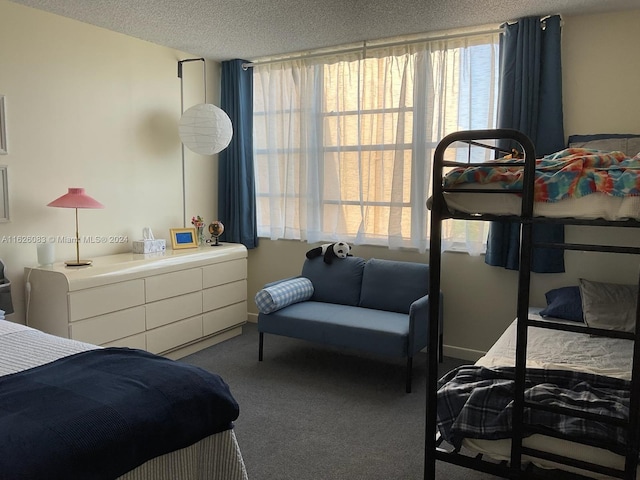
<point>554,349</point>
<point>23,347</point>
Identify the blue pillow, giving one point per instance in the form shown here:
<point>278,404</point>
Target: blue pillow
<point>565,303</point>
<point>282,294</point>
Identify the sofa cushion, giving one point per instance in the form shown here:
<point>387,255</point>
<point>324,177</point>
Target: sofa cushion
<point>338,282</point>
<point>375,331</point>
<point>392,285</point>
<point>282,294</point>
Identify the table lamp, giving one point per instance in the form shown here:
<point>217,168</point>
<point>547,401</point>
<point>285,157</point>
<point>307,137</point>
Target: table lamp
<point>76,198</point>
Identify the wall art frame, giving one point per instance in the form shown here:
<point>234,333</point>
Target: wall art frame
<point>4,195</point>
<point>3,127</point>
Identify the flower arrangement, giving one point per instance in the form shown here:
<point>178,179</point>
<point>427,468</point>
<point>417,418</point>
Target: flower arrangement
<point>197,222</point>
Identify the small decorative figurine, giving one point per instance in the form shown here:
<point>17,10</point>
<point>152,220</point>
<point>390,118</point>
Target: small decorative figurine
<point>216,228</point>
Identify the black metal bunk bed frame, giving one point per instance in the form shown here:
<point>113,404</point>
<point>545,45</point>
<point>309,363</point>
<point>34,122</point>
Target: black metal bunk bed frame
<point>514,468</point>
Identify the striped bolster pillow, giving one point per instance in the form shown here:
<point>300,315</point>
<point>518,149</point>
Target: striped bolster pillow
<point>284,293</point>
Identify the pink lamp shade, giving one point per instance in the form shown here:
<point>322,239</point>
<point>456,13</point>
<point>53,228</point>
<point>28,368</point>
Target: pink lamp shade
<point>75,198</point>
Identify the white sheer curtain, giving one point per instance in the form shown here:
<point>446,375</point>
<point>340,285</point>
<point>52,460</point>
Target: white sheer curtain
<point>343,145</point>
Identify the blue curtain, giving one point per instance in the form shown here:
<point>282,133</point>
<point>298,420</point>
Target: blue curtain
<point>530,100</point>
<point>236,180</point>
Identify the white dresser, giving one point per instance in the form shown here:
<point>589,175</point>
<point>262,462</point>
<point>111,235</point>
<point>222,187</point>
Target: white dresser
<point>172,303</point>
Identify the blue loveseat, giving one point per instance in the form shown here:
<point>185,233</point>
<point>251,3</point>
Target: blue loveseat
<point>378,306</point>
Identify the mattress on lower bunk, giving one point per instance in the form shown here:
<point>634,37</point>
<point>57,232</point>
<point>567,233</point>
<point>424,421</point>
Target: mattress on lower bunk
<point>554,349</point>
<point>214,456</point>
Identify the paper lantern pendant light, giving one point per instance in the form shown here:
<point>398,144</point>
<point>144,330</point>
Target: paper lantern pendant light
<point>205,129</point>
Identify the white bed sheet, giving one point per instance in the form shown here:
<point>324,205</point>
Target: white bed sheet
<point>554,349</point>
<point>589,207</point>
<point>215,457</point>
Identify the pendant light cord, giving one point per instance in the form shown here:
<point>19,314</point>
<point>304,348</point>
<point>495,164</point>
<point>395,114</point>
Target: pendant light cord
<point>204,78</point>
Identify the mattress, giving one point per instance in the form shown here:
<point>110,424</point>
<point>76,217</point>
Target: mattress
<point>554,349</point>
<point>583,183</point>
<point>589,207</point>
<point>217,456</point>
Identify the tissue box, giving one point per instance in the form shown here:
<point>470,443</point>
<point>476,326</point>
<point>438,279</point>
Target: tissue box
<point>149,246</point>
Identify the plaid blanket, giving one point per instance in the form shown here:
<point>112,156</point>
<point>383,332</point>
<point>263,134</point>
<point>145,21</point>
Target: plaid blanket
<point>569,173</point>
<point>477,402</point>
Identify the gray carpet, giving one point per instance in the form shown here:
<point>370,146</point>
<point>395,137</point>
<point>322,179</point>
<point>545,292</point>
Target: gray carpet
<point>309,412</point>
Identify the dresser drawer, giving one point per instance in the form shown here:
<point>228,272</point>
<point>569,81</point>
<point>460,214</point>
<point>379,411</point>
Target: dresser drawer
<point>224,272</point>
<point>109,298</point>
<point>176,308</point>
<point>223,318</point>
<point>174,335</point>
<point>138,341</point>
<point>107,328</point>
<point>223,295</point>
<point>173,284</point>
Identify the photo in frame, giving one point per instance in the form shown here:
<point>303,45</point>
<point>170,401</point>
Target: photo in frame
<point>183,238</point>
<point>3,128</point>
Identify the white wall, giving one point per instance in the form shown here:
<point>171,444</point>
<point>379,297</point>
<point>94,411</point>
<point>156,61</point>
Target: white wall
<point>601,95</point>
<point>86,107</point>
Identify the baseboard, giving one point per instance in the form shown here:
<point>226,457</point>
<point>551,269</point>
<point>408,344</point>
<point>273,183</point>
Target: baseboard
<point>252,317</point>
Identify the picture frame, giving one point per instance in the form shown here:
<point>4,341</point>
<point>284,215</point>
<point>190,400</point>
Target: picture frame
<point>3,128</point>
<point>4,195</point>
<point>183,238</point>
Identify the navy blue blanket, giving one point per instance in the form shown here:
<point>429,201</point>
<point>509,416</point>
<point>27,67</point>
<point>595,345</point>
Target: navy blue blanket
<point>101,413</point>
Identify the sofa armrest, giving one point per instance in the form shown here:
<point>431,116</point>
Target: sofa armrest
<point>419,324</point>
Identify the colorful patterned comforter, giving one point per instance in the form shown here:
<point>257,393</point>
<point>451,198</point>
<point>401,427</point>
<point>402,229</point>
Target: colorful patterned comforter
<point>569,173</point>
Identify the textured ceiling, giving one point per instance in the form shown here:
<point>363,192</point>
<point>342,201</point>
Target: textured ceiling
<point>249,29</point>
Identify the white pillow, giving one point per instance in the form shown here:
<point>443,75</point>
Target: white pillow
<point>282,294</point>
<point>609,305</point>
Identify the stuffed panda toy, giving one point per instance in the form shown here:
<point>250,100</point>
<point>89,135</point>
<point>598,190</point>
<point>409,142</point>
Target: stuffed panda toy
<point>330,251</point>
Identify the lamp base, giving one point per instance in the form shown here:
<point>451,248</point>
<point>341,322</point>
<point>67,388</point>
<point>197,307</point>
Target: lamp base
<point>78,263</point>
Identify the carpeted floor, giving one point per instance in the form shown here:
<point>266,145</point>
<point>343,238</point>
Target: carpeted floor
<point>309,412</point>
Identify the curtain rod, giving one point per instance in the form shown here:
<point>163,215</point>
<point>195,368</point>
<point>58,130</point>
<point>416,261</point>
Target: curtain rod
<point>369,45</point>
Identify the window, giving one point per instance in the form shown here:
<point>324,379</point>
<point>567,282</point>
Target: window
<point>343,146</point>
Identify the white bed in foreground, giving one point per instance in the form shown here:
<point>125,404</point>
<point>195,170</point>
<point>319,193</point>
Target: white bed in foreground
<point>215,457</point>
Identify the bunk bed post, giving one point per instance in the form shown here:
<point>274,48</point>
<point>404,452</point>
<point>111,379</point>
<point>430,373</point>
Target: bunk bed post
<point>631,460</point>
<point>524,280</point>
<point>434,338</point>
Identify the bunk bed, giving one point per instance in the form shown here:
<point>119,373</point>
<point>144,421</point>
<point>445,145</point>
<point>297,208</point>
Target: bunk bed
<point>526,429</point>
